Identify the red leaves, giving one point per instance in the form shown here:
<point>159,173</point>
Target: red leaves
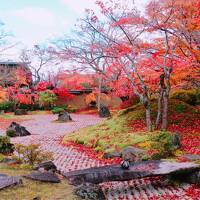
<point>128,21</point>
<point>62,92</point>
<point>42,86</point>
<point>93,154</point>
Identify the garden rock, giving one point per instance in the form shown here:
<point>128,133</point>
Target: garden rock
<point>18,130</point>
<point>9,181</point>
<point>89,191</point>
<point>176,141</point>
<point>21,112</point>
<point>44,177</point>
<point>37,198</point>
<point>104,112</point>
<point>132,154</point>
<point>96,175</point>
<point>47,166</point>
<point>2,112</point>
<point>111,155</point>
<point>64,117</point>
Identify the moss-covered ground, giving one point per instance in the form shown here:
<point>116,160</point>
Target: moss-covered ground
<point>127,127</point>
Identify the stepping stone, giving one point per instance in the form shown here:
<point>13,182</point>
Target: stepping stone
<point>136,170</point>
<point>48,166</point>
<point>43,177</point>
<point>9,181</point>
<point>191,157</point>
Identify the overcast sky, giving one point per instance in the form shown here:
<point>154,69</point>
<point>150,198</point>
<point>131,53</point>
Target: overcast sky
<point>35,21</point>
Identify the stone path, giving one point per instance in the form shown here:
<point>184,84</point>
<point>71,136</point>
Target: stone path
<point>49,134</point>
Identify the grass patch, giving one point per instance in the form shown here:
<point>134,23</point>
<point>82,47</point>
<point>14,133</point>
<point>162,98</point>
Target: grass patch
<point>31,189</point>
<point>12,116</point>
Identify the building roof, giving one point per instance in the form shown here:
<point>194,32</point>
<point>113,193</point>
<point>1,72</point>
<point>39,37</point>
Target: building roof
<point>12,63</point>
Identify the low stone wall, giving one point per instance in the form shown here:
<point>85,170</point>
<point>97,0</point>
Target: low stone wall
<point>79,101</point>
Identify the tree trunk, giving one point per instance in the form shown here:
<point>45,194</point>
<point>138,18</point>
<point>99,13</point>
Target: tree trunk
<point>166,100</point>
<point>99,94</point>
<point>160,99</point>
<point>148,119</point>
<point>165,112</point>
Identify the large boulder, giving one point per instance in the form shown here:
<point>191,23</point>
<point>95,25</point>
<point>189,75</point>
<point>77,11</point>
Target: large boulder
<point>8,181</point>
<point>104,112</point>
<point>110,155</point>
<point>89,191</point>
<point>21,112</point>
<point>46,166</point>
<point>15,130</point>
<point>43,177</point>
<point>64,117</point>
<point>132,154</point>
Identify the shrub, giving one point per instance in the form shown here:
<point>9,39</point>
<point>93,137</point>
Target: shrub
<point>10,133</point>
<point>162,144</point>
<point>71,109</point>
<point>187,96</point>
<point>37,107</point>
<point>180,108</point>
<point>57,110</point>
<point>25,106</point>
<point>32,154</point>
<point>47,98</point>
<point>5,146</point>
<point>7,106</point>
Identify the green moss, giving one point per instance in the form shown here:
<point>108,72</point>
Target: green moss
<point>116,133</point>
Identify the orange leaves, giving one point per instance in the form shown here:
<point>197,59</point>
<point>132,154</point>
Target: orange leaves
<point>21,76</point>
<point>3,94</point>
<point>76,81</point>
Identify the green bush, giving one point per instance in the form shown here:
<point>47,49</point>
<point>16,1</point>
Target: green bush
<point>47,98</point>
<point>5,146</point>
<point>180,108</point>
<point>188,96</point>
<point>37,107</point>
<point>32,154</point>
<point>7,106</point>
<point>57,110</point>
<point>31,107</point>
<point>162,144</point>
<point>10,133</point>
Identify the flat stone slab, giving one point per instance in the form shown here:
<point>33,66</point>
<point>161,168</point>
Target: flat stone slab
<point>143,169</point>
<point>43,177</point>
<point>9,181</point>
<point>191,157</point>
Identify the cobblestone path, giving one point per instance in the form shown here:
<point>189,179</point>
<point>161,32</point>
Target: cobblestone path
<point>49,134</point>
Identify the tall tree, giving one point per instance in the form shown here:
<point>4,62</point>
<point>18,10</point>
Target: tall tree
<point>38,59</point>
